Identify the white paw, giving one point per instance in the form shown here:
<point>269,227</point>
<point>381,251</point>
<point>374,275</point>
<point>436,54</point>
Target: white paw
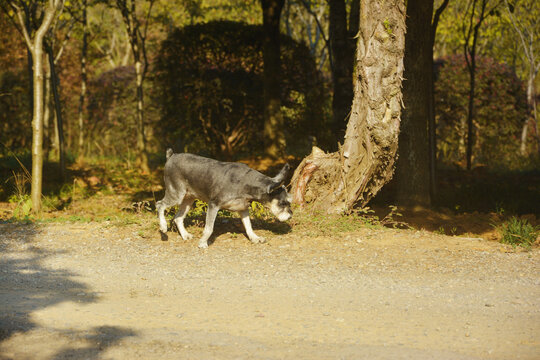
<point>187,236</point>
<point>258,240</point>
<point>203,245</point>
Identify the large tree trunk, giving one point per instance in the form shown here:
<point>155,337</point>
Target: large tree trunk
<point>273,119</point>
<point>412,168</point>
<point>342,61</point>
<point>335,182</point>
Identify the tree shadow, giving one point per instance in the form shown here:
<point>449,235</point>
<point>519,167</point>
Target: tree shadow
<point>98,340</point>
<point>28,285</point>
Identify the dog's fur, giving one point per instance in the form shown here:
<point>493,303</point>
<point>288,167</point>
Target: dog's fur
<point>223,185</point>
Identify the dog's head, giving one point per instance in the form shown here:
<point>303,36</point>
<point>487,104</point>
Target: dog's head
<point>280,203</point>
<point>280,200</point>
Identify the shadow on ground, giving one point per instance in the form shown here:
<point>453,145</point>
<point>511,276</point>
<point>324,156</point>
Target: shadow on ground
<point>98,339</point>
<point>27,286</point>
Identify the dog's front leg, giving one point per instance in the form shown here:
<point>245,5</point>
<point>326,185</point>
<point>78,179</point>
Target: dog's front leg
<point>249,231</point>
<point>211,214</point>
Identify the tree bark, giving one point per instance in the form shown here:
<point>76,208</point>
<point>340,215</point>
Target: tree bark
<point>412,169</point>
<point>336,182</point>
<point>273,119</point>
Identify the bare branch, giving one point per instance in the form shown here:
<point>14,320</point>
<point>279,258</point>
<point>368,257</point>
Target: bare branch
<point>319,26</point>
<point>519,32</point>
<point>436,17</point>
<point>20,16</point>
<point>66,39</point>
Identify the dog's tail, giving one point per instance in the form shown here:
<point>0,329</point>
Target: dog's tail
<point>169,153</point>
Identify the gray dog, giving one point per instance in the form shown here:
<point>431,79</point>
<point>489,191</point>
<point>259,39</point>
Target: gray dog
<point>223,185</point>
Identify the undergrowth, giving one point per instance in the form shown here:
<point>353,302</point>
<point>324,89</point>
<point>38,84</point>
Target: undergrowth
<point>518,232</point>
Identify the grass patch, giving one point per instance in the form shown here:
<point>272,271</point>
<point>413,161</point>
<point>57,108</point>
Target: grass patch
<point>518,232</point>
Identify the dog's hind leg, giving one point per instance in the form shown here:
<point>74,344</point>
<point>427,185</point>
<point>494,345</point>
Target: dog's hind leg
<point>161,206</point>
<point>211,214</point>
<point>179,218</point>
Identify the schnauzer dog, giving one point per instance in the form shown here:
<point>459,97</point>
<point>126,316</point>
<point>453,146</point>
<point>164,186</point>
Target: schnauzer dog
<point>223,185</point>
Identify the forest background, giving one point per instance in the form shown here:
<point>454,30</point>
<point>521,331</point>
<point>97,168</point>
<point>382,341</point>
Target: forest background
<point>196,82</point>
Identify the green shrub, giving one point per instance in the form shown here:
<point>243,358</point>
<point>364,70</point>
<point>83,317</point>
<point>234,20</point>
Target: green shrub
<point>518,232</point>
<point>210,80</point>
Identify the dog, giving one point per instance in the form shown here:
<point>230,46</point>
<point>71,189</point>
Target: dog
<point>223,185</point>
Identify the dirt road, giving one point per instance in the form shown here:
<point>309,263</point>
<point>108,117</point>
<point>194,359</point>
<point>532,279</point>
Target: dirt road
<point>93,291</point>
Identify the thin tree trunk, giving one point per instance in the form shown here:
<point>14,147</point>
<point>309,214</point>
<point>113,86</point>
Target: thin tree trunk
<point>30,79</point>
<point>82,97</point>
<point>470,58</point>
<point>470,112</point>
<point>47,133</point>
<point>37,126</point>
<point>523,144</point>
<point>412,170</point>
<point>58,112</point>
<point>273,119</point>
<point>142,158</point>
<point>336,182</point>
<point>28,28</point>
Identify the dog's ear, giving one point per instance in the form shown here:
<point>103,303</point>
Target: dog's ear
<point>272,187</point>
<point>280,178</point>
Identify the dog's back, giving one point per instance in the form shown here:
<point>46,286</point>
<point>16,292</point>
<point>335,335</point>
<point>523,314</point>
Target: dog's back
<point>212,180</point>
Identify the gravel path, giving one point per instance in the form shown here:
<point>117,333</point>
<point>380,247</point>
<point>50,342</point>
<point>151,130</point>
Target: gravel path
<point>94,291</point>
